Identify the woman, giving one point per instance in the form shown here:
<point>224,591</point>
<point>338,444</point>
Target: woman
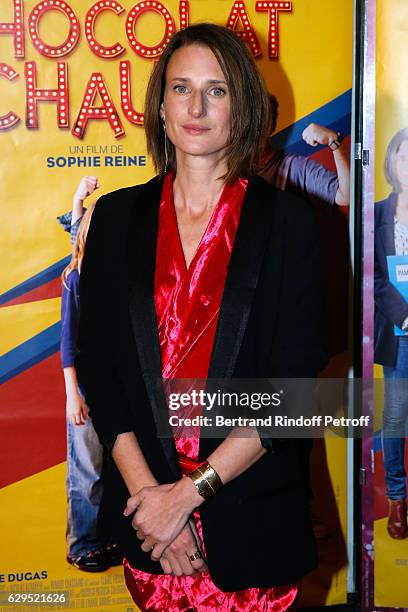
<point>192,275</point>
<point>391,309</point>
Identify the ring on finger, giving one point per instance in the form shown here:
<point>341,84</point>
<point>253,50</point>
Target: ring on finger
<point>196,555</point>
<point>140,535</point>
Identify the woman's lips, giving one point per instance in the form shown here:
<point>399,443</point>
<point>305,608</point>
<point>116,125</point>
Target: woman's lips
<point>195,130</point>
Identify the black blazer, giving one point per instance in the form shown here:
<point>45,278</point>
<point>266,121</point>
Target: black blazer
<point>390,307</point>
<point>256,529</point>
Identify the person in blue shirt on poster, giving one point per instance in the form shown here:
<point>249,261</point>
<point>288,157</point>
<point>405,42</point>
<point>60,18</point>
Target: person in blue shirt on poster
<point>84,483</point>
<point>391,308</point>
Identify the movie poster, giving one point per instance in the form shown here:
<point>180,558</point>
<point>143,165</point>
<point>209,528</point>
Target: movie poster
<point>391,397</point>
<point>73,76</point>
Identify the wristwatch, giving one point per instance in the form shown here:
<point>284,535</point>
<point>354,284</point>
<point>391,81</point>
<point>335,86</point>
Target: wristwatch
<point>336,142</point>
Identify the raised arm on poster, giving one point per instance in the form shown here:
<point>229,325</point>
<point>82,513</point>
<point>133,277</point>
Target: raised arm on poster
<point>71,220</point>
<point>307,177</point>
<point>86,187</point>
<point>316,135</point>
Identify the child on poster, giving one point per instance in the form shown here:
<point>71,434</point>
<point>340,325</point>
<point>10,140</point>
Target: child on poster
<point>84,452</point>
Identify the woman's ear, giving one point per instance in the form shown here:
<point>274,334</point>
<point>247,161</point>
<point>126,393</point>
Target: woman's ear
<point>162,113</point>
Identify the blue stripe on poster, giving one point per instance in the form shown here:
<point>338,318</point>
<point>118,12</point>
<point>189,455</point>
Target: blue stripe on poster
<point>30,353</point>
<point>35,281</point>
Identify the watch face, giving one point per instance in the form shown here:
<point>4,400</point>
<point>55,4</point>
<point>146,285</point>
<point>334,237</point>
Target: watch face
<point>336,142</point>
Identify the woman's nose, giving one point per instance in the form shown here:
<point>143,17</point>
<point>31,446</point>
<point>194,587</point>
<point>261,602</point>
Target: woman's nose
<point>197,104</point>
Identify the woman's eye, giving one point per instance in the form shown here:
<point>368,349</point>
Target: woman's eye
<point>180,89</point>
<point>218,92</point>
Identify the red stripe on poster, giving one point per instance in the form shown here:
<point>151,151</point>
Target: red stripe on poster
<point>32,421</point>
<point>52,289</point>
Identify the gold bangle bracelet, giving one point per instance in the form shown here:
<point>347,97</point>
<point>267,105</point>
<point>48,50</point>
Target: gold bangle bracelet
<point>206,480</point>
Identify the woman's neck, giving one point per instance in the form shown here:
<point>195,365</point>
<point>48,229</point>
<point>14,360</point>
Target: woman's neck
<point>197,185</point>
<point>402,201</point>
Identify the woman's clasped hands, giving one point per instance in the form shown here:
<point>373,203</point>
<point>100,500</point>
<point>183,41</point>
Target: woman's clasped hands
<point>162,520</point>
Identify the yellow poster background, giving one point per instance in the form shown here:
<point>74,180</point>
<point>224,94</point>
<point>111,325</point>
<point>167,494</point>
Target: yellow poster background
<point>314,68</point>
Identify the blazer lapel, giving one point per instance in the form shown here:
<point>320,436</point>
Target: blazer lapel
<point>242,278</point>
<point>141,265</point>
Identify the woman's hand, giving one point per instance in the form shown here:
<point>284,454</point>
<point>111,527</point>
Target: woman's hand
<point>176,557</point>
<point>162,512</point>
<point>77,410</point>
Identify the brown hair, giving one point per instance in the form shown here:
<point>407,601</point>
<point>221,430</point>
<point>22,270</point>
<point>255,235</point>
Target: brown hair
<point>389,164</point>
<point>274,106</point>
<point>79,244</point>
<point>250,107</point>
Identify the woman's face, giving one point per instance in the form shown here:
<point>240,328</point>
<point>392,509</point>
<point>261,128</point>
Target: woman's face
<point>197,105</point>
<point>401,165</point>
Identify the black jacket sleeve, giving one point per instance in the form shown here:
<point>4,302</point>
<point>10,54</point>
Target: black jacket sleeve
<point>95,363</point>
<point>298,347</point>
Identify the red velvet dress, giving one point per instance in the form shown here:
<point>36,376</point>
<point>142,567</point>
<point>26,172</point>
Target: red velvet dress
<point>187,304</point>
